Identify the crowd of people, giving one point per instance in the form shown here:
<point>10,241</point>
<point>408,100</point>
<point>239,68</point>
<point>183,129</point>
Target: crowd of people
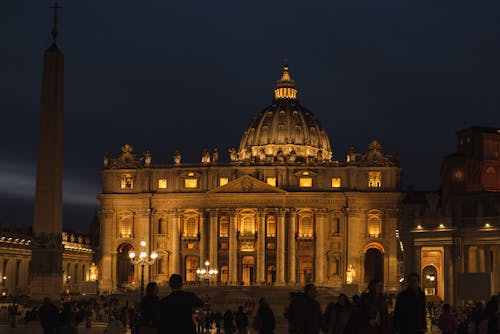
<point>372,312</point>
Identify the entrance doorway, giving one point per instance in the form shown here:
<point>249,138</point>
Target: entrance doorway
<point>124,268</point>
<point>305,269</point>
<point>374,265</point>
<point>271,275</point>
<point>191,266</point>
<point>430,279</point>
<point>247,270</point>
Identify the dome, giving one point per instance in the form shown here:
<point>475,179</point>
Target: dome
<point>285,131</point>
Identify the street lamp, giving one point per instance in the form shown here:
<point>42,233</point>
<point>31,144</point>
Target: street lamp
<point>142,261</point>
<point>206,273</point>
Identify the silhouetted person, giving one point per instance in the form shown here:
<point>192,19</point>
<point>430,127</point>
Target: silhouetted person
<point>308,311</point>
<point>218,320</point>
<point>409,312</point>
<point>265,318</point>
<point>290,312</point>
<point>241,320</point>
<point>67,321</point>
<point>149,309</point>
<point>228,322</point>
<point>373,317</point>
<point>49,316</point>
<point>447,322</point>
<point>177,309</point>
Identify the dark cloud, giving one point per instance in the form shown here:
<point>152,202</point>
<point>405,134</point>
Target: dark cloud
<point>189,74</point>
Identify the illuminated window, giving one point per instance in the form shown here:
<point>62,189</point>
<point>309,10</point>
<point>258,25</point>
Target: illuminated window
<point>191,227</point>
<point>190,183</point>
<point>375,224</point>
<point>162,183</point>
<point>306,227</point>
<point>191,245</point>
<point>223,181</point>
<point>247,226</point>
<point>336,182</point>
<point>127,181</point>
<point>271,181</point>
<point>224,227</point>
<point>271,227</point>
<point>374,179</point>
<point>126,227</point>
<point>306,182</point>
<point>458,175</point>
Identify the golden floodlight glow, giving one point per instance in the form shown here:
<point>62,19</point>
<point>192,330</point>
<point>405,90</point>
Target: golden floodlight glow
<point>271,181</point>
<point>306,182</point>
<point>223,181</point>
<point>190,183</point>
<point>162,183</point>
<point>285,89</point>
<point>336,182</point>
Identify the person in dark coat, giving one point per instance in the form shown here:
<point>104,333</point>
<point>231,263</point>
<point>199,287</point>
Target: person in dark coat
<point>177,309</point>
<point>290,312</point>
<point>265,318</point>
<point>308,311</point>
<point>49,316</point>
<point>228,322</point>
<point>241,320</point>
<point>373,316</point>
<point>149,310</point>
<point>409,312</point>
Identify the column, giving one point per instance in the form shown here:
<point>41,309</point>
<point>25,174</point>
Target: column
<point>319,252</point>
<point>175,262</point>
<point>107,264</point>
<point>233,249</point>
<point>480,259</point>
<point>213,237</point>
<point>261,248</point>
<point>292,226</point>
<point>448,275</point>
<point>203,239</point>
<point>280,251</point>
<point>417,267</point>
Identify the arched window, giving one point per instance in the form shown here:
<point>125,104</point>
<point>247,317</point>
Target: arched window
<point>126,227</point>
<point>306,226</point>
<point>374,224</point>
<point>224,227</point>
<point>247,226</point>
<point>191,227</point>
<point>271,227</point>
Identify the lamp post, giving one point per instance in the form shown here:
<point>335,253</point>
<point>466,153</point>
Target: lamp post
<point>142,261</point>
<point>206,273</point>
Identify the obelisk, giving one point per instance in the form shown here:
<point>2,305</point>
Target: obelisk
<point>46,251</point>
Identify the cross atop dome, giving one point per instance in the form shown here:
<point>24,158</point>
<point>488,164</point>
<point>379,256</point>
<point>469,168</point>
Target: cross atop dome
<point>285,87</point>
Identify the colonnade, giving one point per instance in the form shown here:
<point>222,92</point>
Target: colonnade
<point>286,243</point>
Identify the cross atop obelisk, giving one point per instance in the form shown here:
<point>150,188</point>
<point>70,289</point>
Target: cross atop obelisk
<point>55,25</point>
<point>46,251</point>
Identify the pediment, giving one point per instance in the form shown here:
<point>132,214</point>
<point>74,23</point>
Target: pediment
<point>247,184</point>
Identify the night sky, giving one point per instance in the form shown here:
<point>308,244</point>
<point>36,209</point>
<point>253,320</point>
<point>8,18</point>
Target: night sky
<point>167,75</point>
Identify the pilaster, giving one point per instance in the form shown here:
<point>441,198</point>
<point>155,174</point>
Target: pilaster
<point>319,236</point>
<point>261,248</point>
<point>233,249</point>
<point>280,259</point>
<point>292,226</point>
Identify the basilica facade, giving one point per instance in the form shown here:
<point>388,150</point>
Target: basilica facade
<point>282,212</point>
